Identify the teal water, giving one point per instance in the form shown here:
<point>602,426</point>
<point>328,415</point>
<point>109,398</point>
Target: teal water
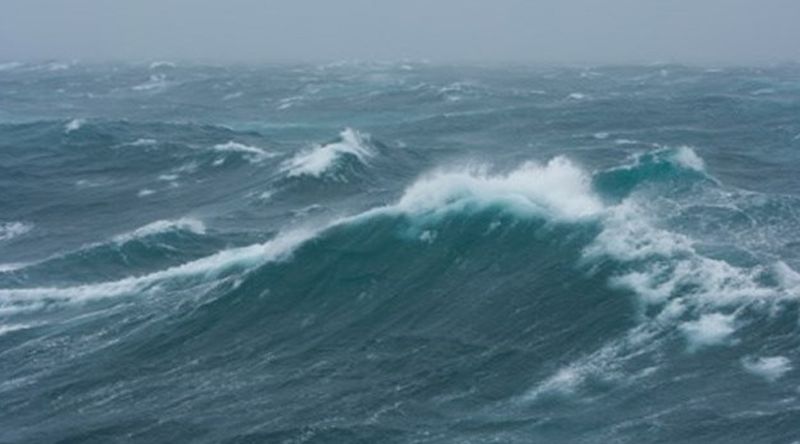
<point>399,253</point>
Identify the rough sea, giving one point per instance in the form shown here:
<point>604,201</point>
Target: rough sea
<point>399,253</point>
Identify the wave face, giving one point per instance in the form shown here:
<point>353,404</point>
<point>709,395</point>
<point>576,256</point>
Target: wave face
<point>398,253</point>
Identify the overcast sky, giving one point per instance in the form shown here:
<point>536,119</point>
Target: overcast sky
<point>538,31</point>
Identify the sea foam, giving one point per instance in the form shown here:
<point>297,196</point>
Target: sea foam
<point>321,159</point>
<point>770,368</point>
<point>251,153</point>
<point>160,227</point>
<point>276,249</point>
<point>558,189</point>
<point>73,125</point>
<point>709,329</point>
<point>10,230</point>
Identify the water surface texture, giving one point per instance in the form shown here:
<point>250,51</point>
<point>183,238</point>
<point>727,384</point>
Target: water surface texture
<point>399,253</point>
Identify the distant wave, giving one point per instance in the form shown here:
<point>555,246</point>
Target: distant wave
<point>73,125</point>
<point>558,189</point>
<point>162,64</point>
<point>162,226</point>
<point>8,66</point>
<point>252,153</point>
<point>323,159</point>
<point>156,82</point>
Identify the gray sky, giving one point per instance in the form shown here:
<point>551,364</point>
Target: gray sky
<point>539,31</point>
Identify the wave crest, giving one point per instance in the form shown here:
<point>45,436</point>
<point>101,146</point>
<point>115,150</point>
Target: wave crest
<point>323,159</point>
<point>558,189</point>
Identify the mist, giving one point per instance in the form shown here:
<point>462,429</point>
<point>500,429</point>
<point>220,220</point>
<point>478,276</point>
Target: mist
<point>547,31</point>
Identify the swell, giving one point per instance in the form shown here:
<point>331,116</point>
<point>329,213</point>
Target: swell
<point>150,248</point>
<point>627,248</point>
<point>511,294</point>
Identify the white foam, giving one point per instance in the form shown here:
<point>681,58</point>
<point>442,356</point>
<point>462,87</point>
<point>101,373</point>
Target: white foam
<point>143,142</point>
<point>710,329</point>
<point>558,189</point>
<point>252,153</point>
<point>156,82</point>
<point>144,192</point>
<point>565,381</point>
<point>428,236</point>
<point>279,248</point>
<point>232,96</point>
<point>687,157</point>
<point>763,91</point>
<point>320,159</point>
<point>162,226</point>
<point>576,96</point>
<point>289,102</point>
<point>665,264</point>
<point>5,268</point>
<point>788,278</point>
<point>57,66</point>
<point>770,368</point>
<point>628,235</point>
<point>601,135</point>
<point>88,183</point>
<point>162,64</point>
<point>73,125</point>
<point>606,364</point>
<point>10,230</point>
<point>14,327</point>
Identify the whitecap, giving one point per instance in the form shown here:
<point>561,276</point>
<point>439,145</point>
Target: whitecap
<point>687,157</point>
<point>289,102</point>
<point>89,183</point>
<point>763,91</point>
<point>162,226</point>
<point>278,248</point>
<point>428,236</point>
<point>558,189</point>
<point>73,125</point>
<point>5,268</point>
<point>156,82</point>
<point>232,96</point>
<point>162,64</point>
<point>665,263</point>
<point>57,66</point>
<point>4,329</point>
<point>251,153</point>
<point>10,230</point>
<point>143,142</point>
<point>709,329</point>
<point>320,159</point>
<point>770,368</point>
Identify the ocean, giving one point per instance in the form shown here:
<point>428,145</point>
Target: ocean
<point>399,253</point>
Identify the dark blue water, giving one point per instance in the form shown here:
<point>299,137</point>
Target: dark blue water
<point>385,253</point>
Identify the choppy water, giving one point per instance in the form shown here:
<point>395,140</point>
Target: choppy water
<point>403,253</point>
